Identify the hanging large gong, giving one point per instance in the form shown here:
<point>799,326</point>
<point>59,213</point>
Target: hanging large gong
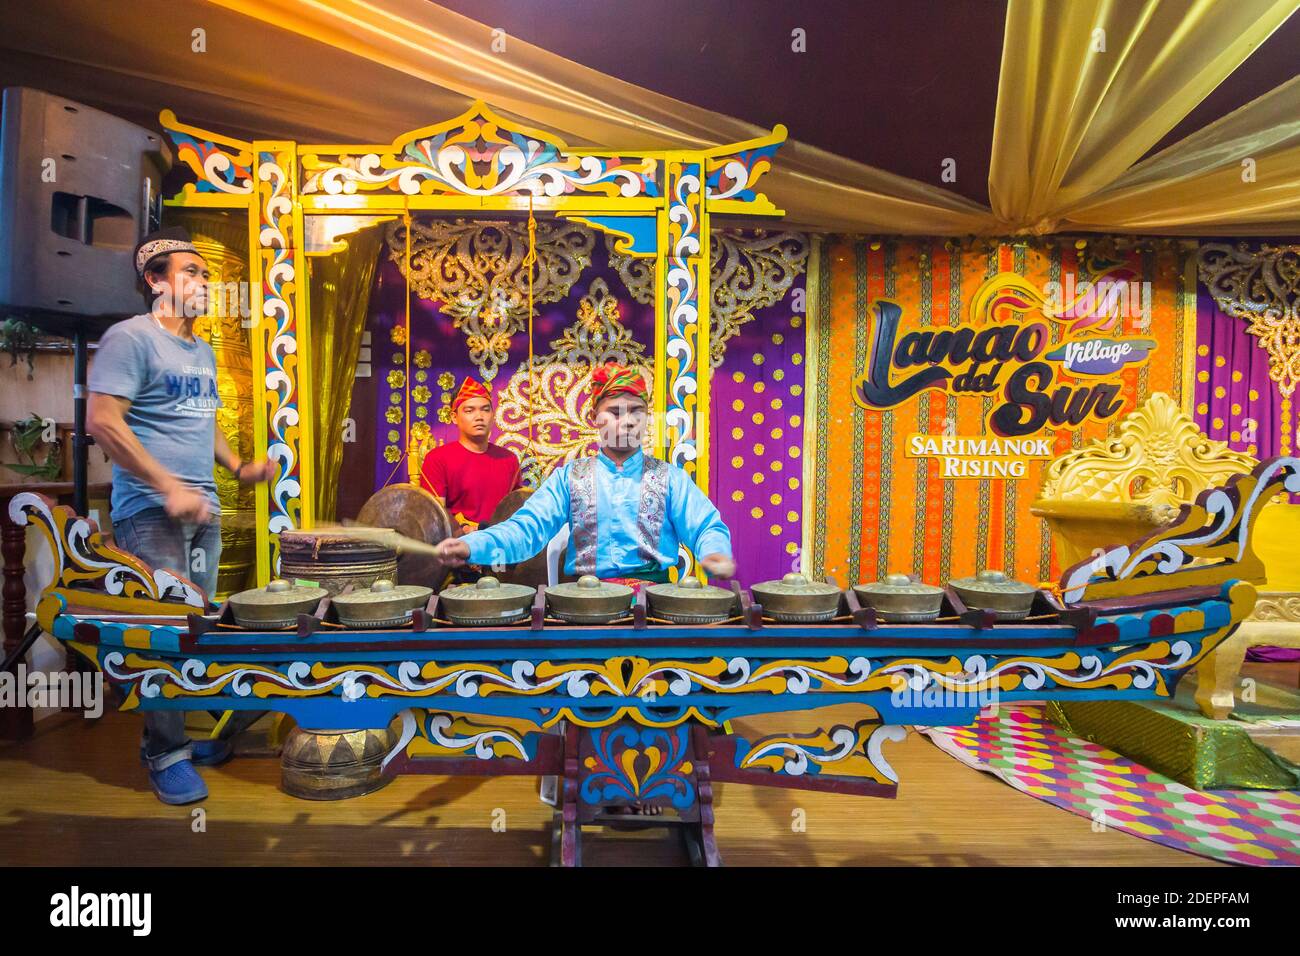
<point>415,513</point>
<point>533,571</point>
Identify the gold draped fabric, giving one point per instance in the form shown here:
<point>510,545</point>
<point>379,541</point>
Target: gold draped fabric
<point>586,107</point>
<point>340,298</point>
<point>1070,123</point>
<point>1196,186</point>
<point>1072,117</point>
<point>222,239</point>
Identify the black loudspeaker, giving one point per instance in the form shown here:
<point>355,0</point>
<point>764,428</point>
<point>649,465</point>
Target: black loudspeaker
<point>78,190</point>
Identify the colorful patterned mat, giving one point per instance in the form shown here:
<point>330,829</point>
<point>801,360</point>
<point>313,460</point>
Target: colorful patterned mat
<point>1020,745</point>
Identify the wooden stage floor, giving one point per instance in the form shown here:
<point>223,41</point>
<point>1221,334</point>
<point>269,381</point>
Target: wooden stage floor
<point>75,794</point>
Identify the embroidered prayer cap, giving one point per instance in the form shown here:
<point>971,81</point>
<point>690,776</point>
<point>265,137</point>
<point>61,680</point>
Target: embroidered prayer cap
<point>469,389</point>
<point>613,379</point>
<point>160,243</point>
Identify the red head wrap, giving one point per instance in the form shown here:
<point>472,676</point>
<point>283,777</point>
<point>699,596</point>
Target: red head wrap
<point>613,379</point>
<point>469,389</point>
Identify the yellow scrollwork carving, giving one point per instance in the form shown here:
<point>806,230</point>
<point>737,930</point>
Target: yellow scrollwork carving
<point>1277,607</point>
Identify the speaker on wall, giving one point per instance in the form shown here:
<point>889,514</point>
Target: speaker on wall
<point>78,189</point>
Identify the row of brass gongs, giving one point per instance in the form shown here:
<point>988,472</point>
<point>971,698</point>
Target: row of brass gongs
<point>415,513</point>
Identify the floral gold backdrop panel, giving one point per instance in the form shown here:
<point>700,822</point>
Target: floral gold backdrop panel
<point>469,317</point>
<point>1028,350</point>
<point>594,304</point>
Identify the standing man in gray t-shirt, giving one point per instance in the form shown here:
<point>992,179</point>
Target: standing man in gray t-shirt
<point>153,407</point>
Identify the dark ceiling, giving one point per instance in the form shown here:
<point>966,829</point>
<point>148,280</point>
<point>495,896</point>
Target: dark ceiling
<point>898,84</point>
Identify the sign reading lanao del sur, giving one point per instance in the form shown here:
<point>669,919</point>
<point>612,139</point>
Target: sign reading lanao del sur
<point>1005,351</point>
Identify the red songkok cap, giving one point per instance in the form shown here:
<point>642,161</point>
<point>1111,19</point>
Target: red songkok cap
<point>614,379</point>
<point>469,389</point>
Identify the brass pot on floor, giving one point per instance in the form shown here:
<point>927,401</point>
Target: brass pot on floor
<point>334,764</point>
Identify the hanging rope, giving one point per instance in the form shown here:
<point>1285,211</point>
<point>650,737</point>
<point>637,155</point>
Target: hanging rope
<point>529,261</point>
<point>406,266</point>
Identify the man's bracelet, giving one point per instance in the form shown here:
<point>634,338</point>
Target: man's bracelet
<point>240,469</point>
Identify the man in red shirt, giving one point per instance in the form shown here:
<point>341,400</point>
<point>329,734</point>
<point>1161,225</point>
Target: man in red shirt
<point>470,476</point>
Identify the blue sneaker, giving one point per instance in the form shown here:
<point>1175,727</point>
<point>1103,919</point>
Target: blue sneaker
<point>206,752</point>
<point>179,783</point>
<point>209,753</point>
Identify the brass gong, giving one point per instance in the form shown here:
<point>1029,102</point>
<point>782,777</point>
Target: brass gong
<point>415,513</point>
<point>531,572</point>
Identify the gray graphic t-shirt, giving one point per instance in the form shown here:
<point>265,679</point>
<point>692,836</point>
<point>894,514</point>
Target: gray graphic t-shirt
<point>172,385</point>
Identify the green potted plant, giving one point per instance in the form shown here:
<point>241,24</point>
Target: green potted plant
<point>28,436</point>
<point>19,339</point>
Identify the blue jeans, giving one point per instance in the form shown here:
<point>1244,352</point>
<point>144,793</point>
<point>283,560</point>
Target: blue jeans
<point>191,551</point>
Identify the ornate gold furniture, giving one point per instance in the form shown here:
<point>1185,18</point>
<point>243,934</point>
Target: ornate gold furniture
<point>1121,488</point>
<point>1275,621</point>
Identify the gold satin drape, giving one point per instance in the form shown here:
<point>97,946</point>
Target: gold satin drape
<point>1071,119</point>
<point>340,298</point>
<point>1069,125</point>
<point>1197,186</point>
<point>454,53</point>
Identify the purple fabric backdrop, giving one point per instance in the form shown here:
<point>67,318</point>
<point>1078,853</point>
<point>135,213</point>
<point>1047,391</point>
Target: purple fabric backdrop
<point>1232,391</point>
<point>756,434</point>
<point>1232,384</point>
<point>757,406</point>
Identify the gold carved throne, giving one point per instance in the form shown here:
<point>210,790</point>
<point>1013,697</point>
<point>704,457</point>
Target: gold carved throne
<point>1119,489</point>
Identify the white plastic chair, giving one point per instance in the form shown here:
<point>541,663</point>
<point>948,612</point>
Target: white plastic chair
<point>555,556</point>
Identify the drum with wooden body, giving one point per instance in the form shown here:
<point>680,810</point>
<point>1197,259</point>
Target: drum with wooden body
<point>414,513</point>
<point>334,560</point>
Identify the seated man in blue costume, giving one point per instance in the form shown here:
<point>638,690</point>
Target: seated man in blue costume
<point>626,510</point>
